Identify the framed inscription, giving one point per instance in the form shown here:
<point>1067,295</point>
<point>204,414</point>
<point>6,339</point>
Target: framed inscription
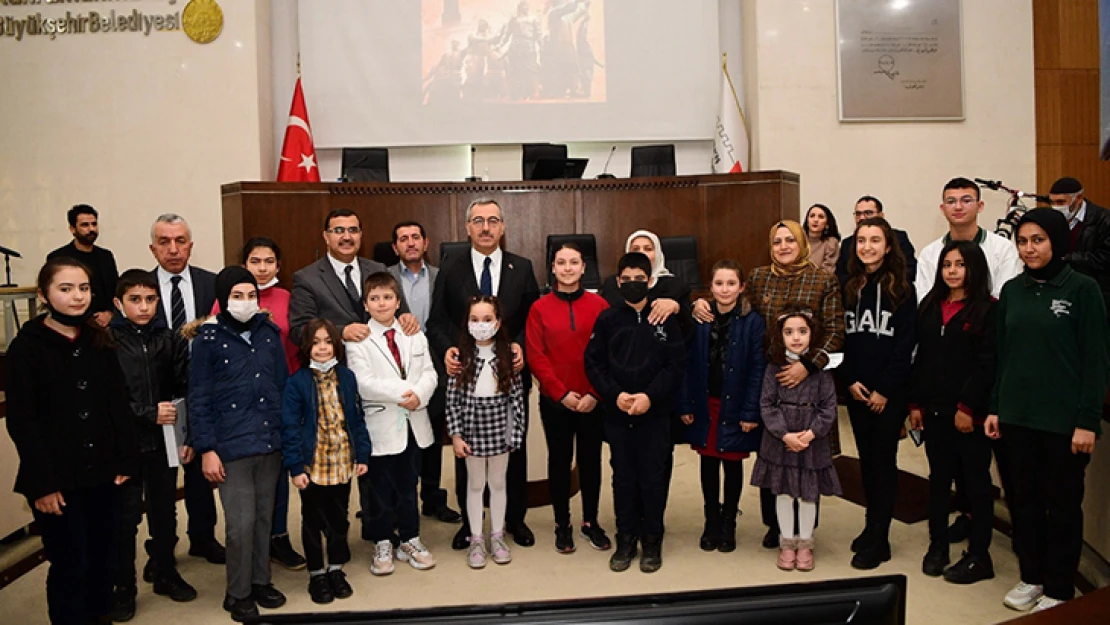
<point>899,60</point>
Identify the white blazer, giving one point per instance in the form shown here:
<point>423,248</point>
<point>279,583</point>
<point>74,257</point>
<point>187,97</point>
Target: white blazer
<point>380,385</point>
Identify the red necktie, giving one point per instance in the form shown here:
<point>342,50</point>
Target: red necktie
<point>393,348</point>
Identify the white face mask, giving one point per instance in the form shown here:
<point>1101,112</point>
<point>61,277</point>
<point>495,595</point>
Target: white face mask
<point>242,309</point>
<point>482,330</point>
<point>325,366</point>
<point>1066,211</point>
<point>273,281</point>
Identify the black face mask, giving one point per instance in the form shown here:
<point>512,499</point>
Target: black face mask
<point>72,321</point>
<point>634,292</point>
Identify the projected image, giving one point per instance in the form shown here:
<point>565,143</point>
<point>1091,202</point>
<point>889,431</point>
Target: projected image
<point>513,51</point>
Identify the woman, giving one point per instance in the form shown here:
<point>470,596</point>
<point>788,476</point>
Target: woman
<point>792,279</point>
<point>669,295</point>
<point>559,327</point>
<point>823,236</point>
<point>880,309</point>
<point>1047,405</point>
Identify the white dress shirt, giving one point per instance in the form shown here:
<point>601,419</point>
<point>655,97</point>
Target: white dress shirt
<point>165,288</point>
<point>340,269</point>
<point>479,261</point>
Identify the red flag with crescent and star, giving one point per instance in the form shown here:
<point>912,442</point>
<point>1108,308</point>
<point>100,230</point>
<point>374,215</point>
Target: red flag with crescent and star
<point>298,156</point>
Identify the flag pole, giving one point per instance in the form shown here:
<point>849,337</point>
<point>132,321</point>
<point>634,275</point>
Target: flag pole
<point>743,119</point>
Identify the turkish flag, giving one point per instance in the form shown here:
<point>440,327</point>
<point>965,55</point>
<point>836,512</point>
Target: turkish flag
<point>298,156</point>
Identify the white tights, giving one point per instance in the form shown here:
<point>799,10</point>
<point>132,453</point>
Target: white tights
<point>807,516</point>
<point>481,472</point>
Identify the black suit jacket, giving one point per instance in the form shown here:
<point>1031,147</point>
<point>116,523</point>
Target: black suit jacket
<point>1092,251</point>
<point>848,249</point>
<point>456,284</point>
<point>204,294</point>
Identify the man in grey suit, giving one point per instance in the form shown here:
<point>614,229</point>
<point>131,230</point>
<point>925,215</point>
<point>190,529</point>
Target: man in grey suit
<point>417,279</point>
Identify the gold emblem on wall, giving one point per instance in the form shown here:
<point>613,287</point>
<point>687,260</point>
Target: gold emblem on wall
<point>202,20</point>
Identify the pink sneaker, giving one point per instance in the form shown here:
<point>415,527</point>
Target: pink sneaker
<point>476,556</point>
<point>501,553</point>
<point>805,555</point>
<point>788,555</point>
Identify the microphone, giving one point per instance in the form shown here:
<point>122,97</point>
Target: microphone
<point>7,251</point>
<point>605,170</point>
<point>472,177</point>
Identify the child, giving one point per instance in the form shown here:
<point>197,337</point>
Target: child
<point>396,379</point>
<point>155,366</point>
<point>720,400</point>
<point>795,461</point>
<point>637,368</point>
<point>324,444</point>
<point>74,433</point>
<point>236,382</point>
<point>950,386</point>
<point>485,418</point>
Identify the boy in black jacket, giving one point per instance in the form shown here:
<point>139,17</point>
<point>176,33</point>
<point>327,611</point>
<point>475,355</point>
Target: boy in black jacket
<point>637,368</point>
<point>155,365</point>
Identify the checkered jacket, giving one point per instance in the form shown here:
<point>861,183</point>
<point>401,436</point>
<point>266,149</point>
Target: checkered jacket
<point>770,294</point>
<point>485,422</point>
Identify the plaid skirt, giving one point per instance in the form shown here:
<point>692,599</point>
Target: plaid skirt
<point>490,426</point>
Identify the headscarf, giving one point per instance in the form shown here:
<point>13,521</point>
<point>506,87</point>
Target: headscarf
<point>1055,226</point>
<point>802,261</point>
<point>658,268</point>
<point>225,281</point>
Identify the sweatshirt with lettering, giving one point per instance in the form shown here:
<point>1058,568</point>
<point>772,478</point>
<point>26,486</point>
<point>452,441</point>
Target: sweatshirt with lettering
<point>1052,354</point>
<point>879,339</point>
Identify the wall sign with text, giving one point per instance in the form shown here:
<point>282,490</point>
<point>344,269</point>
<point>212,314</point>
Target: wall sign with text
<point>201,20</point>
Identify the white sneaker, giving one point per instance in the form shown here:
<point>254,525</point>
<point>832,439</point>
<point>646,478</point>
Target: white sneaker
<point>382,564</point>
<point>1023,596</point>
<point>416,554</point>
<point>1046,603</point>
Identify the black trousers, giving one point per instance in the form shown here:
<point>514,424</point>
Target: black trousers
<point>432,495</point>
<point>961,501</point>
<point>81,545</point>
<point>711,485</point>
<point>640,455</point>
<point>565,429</point>
<point>517,478</point>
<point>324,517</point>
<point>877,444</point>
<point>389,488</point>
<point>1048,524</point>
<point>200,503</point>
<point>155,483</point>
<point>964,458</point>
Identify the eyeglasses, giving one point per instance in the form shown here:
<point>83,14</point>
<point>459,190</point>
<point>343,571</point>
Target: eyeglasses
<point>341,230</point>
<point>867,214</point>
<point>480,222</point>
<point>966,200</point>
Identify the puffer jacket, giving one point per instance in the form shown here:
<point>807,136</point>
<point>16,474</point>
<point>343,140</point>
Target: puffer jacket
<point>155,365</point>
<point>300,410</point>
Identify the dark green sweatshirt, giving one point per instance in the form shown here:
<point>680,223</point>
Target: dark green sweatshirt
<point>1053,360</point>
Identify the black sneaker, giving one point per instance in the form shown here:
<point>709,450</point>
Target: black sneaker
<point>319,590</point>
<point>123,606</point>
<point>652,560</point>
<point>564,539</point>
<point>150,571</point>
<point>859,542</point>
<point>267,596</point>
<point>970,569</point>
<point>960,529</point>
<point>173,586</point>
<point>282,552</point>
<point>210,550</point>
<point>240,609</point>
<point>771,539</point>
<point>935,560</point>
<point>595,536</point>
<point>625,552</point>
<point>339,586</point>
<point>871,556</point>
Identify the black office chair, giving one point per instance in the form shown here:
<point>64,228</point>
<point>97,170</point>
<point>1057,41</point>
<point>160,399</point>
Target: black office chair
<point>365,165</point>
<point>450,249</point>
<point>653,160</point>
<point>384,254</point>
<point>682,259</point>
<point>532,152</point>
<point>588,245</point>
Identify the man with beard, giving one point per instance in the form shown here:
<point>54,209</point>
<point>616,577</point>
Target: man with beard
<point>85,229</point>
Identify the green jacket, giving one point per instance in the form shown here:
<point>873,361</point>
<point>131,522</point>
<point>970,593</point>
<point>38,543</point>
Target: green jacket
<point>1053,361</point>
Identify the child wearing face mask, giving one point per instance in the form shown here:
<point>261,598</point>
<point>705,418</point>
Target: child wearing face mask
<point>324,444</point>
<point>485,419</point>
<point>795,460</point>
<point>236,380</point>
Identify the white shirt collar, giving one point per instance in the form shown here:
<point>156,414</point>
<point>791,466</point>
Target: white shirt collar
<point>478,258</point>
<point>164,276</point>
<point>378,329</point>
<point>338,266</point>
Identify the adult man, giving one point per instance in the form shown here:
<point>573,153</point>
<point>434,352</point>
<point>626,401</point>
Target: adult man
<point>487,270</point>
<point>186,293</point>
<point>417,280</point>
<point>866,207</point>
<point>1090,232</point>
<point>961,206</point>
<point>84,227</point>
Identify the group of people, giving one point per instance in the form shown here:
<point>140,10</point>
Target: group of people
<point>361,371</point>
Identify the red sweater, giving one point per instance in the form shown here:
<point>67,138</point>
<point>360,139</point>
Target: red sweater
<point>559,327</point>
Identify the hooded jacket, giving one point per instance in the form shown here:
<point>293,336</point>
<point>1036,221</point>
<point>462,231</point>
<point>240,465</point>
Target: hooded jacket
<point>155,366</point>
<point>879,340</point>
<point>954,366</point>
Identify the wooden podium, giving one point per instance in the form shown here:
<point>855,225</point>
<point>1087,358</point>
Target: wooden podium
<point>730,214</point>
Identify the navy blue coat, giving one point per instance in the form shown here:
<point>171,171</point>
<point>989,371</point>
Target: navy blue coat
<point>235,389</point>
<point>740,389</point>
<point>299,411</point>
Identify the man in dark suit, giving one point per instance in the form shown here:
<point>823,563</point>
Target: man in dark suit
<point>487,270</point>
<point>866,208</point>
<point>186,293</point>
<point>1090,232</point>
<point>417,279</point>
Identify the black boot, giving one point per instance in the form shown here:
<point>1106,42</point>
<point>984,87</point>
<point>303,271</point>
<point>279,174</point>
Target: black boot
<point>727,544</point>
<point>652,559</point>
<point>622,557</point>
<point>865,537</point>
<point>123,609</point>
<point>711,535</point>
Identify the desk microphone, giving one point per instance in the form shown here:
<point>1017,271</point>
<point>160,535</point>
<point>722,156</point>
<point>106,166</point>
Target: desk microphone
<point>605,170</point>
<point>472,177</point>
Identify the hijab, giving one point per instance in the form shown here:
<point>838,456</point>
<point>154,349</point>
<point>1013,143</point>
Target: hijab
<point>225,281</point>
<point>658,268</point>
<point>802,261</point>
<point>1055,226</point>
